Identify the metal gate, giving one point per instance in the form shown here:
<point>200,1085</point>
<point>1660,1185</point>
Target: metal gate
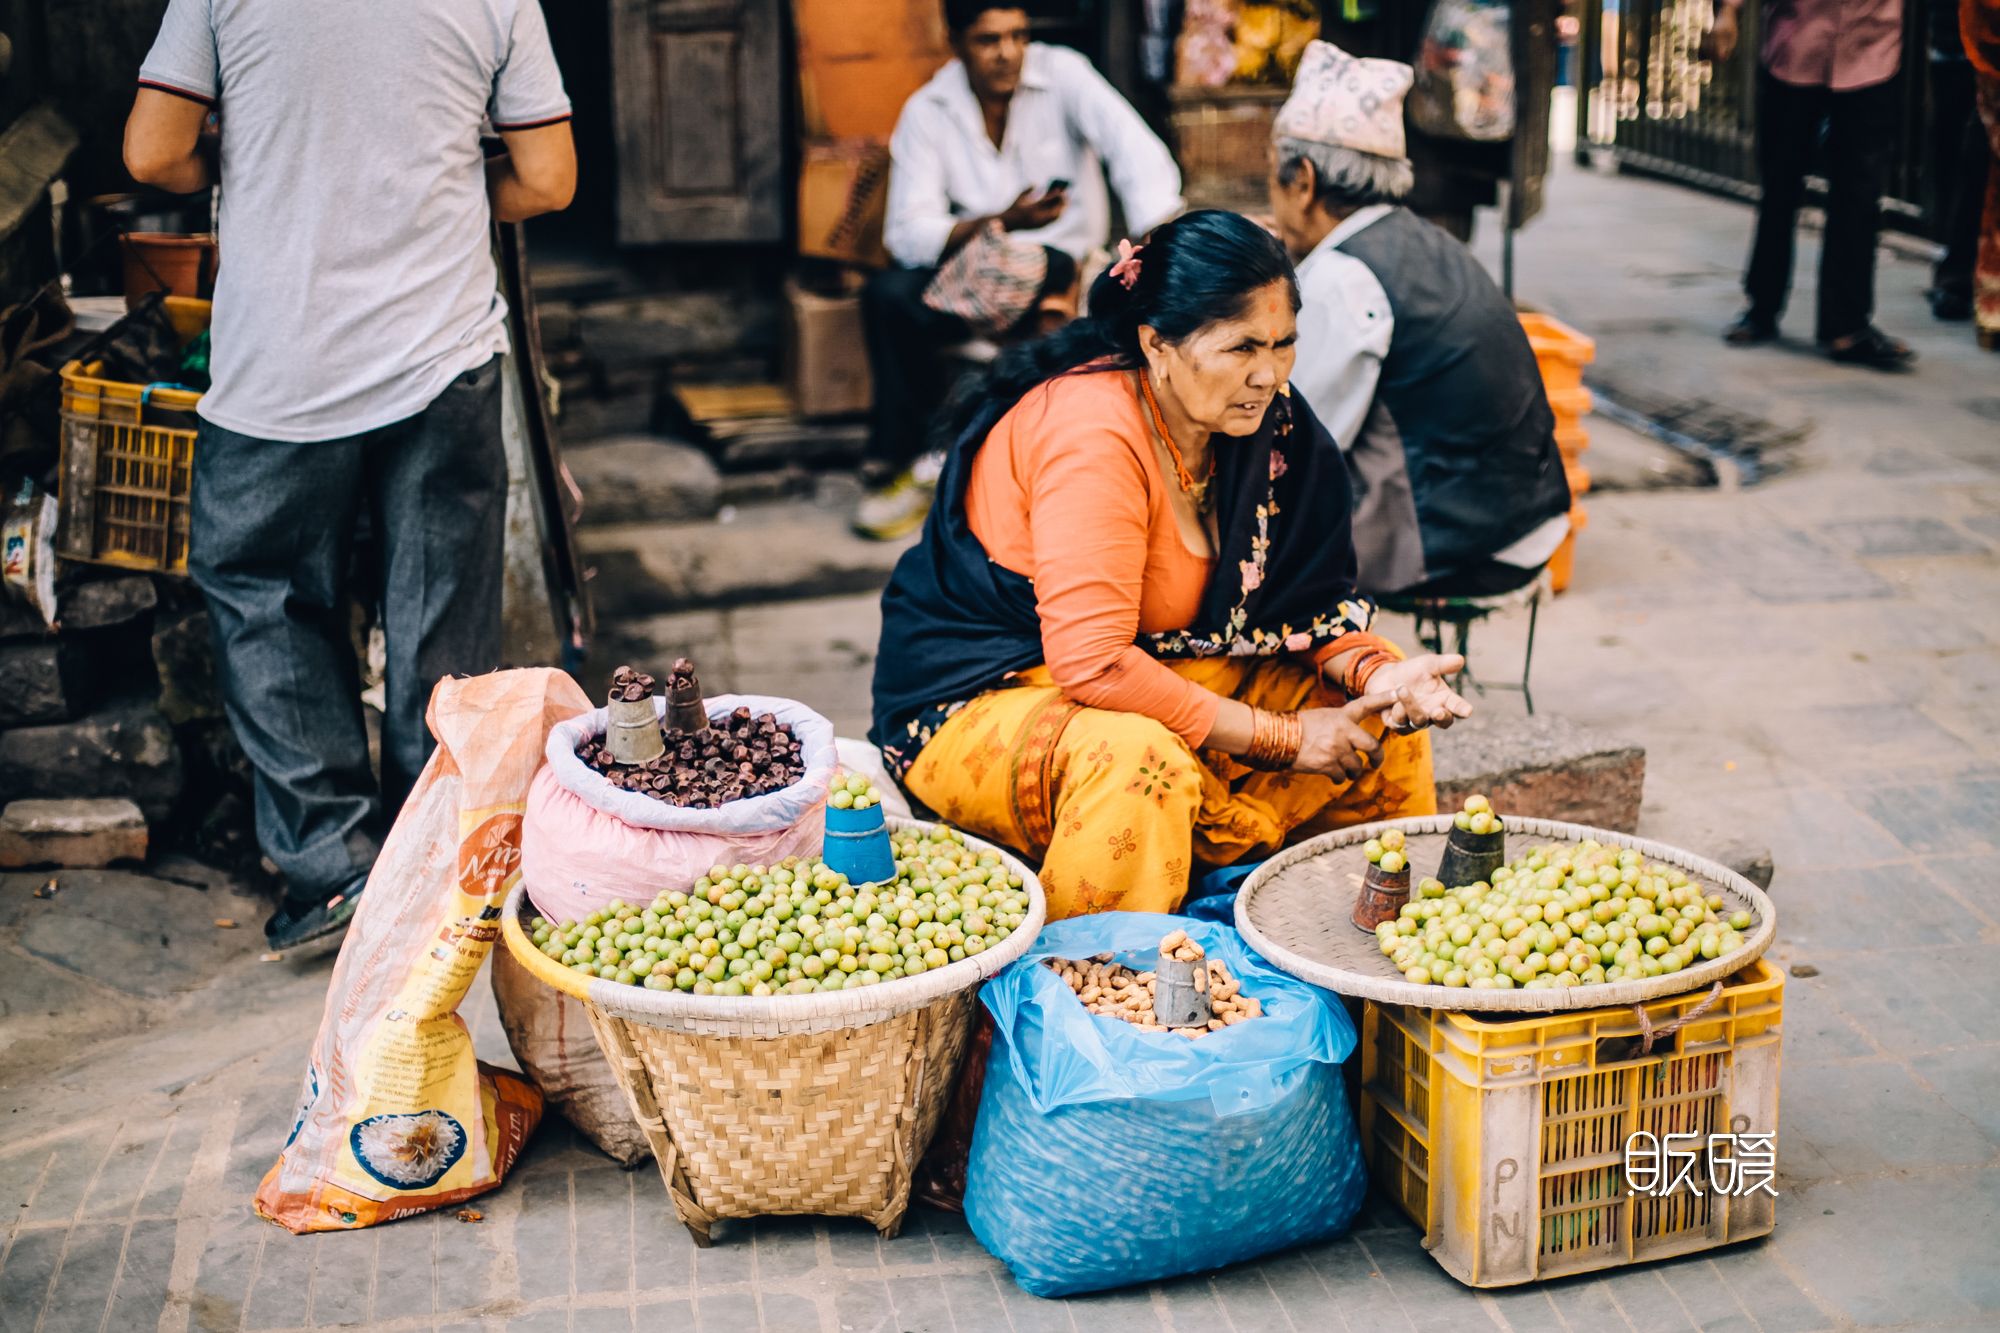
<point>1662,110</point>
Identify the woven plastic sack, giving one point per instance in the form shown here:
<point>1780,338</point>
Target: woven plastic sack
<point>397,1116</point>
<point>1106,1156</point>
<point>552,1041</point>
<point>586,843</point>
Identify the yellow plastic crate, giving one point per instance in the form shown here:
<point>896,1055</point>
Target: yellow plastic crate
<point>127,462</point>
<point>1560,350</point>
<point>1505,1140</point>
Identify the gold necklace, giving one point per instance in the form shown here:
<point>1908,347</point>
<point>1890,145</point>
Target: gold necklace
<point>1194,490</point>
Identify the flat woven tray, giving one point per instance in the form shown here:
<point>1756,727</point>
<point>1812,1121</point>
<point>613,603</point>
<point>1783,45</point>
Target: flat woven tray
<point>781,1015</point>
<point>1294,912</point>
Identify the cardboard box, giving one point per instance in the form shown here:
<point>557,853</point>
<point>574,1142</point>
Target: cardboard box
<point>843,199</point>
<point>859,61</point>
<point>826,354</point>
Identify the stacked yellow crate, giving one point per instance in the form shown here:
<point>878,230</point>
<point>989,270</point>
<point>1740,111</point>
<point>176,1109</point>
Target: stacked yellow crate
<point>1508,1138</point>
<point>1562,353</point>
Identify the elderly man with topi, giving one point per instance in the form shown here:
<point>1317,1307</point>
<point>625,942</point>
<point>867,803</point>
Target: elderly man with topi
<point>1408,351</point>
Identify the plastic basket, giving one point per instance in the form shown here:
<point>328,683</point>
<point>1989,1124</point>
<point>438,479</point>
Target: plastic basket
<point>1562,565</point>
<point>1505,1138</point>
<point>1560,351</point>
<point>127,461</point>
<point>1569,405</point>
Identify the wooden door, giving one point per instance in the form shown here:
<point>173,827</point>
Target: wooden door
<point>698,101</point>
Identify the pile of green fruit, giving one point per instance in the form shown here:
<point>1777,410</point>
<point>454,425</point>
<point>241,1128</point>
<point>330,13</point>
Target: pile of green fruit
<point>1563,915</point>
<point>851,791</point>
<point>1388,852</point>
<point>1477,816</point>
<point>797,927</point>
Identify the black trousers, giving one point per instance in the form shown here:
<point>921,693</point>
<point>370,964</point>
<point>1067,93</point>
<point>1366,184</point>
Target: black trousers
<point>904,338</point>
<point>271,538</point>
<point>1859,127</point>
<point>1963,157</point>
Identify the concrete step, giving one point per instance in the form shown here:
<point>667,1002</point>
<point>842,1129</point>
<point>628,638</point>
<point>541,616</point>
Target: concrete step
<point>635,479</point>
<point>71,833</point>
<point>124,749</point>
<point>762,553</point>
<point>1549,767</point>
<point>1541,767</point>
<point>769,442</point>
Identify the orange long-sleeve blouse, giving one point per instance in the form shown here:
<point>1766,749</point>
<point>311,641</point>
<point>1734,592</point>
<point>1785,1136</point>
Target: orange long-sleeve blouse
<point>1068,492</point>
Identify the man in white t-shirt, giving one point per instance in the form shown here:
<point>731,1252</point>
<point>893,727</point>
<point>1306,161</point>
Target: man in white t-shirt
<point>1013,131</point>
<point>357,336</point>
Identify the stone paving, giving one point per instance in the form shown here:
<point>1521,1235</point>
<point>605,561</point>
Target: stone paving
<point>1812,659</point>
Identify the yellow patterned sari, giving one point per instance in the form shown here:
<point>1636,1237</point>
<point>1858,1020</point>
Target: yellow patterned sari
<point>1120,811</point>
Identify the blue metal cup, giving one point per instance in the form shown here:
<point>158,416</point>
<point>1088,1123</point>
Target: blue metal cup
<point>857,845</point>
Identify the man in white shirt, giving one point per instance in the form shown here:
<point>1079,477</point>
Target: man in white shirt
<point>1011,130</point>
<point>357,335</point>
<point>1408,352</point>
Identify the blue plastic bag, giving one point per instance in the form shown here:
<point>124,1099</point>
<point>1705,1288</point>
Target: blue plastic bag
<point>1105,1155</point>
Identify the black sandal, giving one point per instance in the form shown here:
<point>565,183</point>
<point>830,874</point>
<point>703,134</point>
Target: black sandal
<point>1750,328</point>
<point>1950,305</point>
<point>1872,347</point>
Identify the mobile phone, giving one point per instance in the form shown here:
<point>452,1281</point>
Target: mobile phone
<point>1054,186</point>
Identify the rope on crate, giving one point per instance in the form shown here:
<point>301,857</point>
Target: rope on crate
<point>1648,1035</point>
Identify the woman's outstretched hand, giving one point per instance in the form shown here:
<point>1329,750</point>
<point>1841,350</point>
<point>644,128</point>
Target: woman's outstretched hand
<point>1336,744</point>
<point>1419,694</point>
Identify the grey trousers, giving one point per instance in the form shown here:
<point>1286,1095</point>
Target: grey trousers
<point>271,546</point>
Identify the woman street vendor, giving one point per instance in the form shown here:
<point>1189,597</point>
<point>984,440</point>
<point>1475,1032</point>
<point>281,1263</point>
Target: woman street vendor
<point>1129,640</point>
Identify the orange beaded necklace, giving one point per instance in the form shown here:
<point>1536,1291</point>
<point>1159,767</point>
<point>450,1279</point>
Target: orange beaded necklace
<point>1194,490</point>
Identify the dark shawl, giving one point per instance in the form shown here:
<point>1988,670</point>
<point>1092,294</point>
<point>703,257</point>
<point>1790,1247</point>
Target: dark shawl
<point>955,624</point>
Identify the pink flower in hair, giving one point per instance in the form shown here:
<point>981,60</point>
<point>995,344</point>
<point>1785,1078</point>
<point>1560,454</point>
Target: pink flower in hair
<point>1126,270</point>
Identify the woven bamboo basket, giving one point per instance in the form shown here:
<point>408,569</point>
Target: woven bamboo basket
<point>1294,910</point>
<point>817,1103</point>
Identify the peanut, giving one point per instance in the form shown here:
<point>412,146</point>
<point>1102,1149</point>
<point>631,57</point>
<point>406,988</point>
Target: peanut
<point>1112,990</point>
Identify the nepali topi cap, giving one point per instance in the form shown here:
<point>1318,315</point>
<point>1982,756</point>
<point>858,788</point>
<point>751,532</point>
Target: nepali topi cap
<point>1348,102</point>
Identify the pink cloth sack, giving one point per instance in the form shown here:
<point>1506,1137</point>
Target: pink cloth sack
<point>585,842</point>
